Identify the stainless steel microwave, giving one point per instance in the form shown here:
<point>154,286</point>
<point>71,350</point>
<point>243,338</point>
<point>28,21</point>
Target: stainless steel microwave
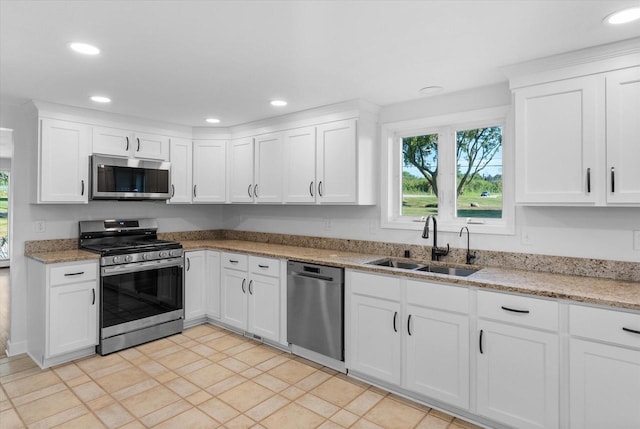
<point>129,179</point>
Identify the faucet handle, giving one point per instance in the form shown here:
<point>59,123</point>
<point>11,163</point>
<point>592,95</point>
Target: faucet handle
<point>471,257</point>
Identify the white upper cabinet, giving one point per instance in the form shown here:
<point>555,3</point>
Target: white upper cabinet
<point>118,142</point>
<point>241,187</point>
<point>623,145</point>
<point>336,166</point>
<point>63,163</point>
<point>299,168</point>
<point>576,140</point>
<point>181,170</point>
<point>268,168</point>
<point>209,171</point>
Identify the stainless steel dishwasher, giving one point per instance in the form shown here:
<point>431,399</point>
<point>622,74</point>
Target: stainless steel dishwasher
<point>315,308</point>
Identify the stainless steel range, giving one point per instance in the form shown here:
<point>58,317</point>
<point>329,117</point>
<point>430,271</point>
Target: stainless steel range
<point>141,282</point>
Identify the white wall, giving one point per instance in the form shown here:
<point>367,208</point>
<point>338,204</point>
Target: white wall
<point>61,221</point>
<point>602,233</point>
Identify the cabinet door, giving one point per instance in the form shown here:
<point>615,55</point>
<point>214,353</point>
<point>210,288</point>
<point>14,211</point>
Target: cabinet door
<point>604,386</point>
<point>64,162</point>
<point>195,285</point>
<point>111,141</point>
<point>150,146</point>
<point>73,317</point>
<point>241,171</point>
<point>209,171</point>
<point>264,306</point>
<point>623,129</point>
<point>518,379</point>
<point>181,170</point>
<point>234,298</point>
<point>374,346</point>
<point>557,128</point>
<point>212,282</point>
<point>336,162</point>
<point>299,168</point>
<point>437,357</point>
<point>268,168</point>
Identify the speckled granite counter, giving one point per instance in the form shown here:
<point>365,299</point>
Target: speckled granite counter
<point>56,256</point>
<point>616,293</point>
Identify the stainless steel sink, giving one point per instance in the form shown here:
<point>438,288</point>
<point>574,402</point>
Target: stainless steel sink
<point>414,266</point>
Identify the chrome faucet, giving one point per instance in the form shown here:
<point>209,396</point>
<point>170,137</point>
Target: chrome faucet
<point>435,252</point>
<point>470,257</point>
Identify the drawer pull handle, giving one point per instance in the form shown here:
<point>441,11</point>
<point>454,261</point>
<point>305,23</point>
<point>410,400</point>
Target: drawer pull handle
<point>480,342</point>
<point>233,261</point>
<point>409,325</point>
<point>244,281</point>
<point>74,274</point>
<point>263,266</point>
<point>633,331</point>
<point>513,310</point>
<point>395,318</point>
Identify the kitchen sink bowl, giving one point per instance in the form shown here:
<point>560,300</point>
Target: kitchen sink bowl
<point>414,266</point>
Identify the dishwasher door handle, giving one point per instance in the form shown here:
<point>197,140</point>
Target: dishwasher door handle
<point>314,276</point>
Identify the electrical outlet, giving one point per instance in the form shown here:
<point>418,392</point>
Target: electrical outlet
<point>39,226</point>
<point>636,240</point>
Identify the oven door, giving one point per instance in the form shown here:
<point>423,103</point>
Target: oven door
<point>135,296</point>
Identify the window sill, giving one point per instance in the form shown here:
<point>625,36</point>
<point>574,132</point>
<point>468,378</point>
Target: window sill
<point>493,228</point>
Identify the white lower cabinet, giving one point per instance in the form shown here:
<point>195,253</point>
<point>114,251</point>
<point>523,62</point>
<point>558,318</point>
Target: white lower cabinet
<point>251,294</point>
<point>201,286</point>
<point>518,360</point>
<point>63,304</point>
<point>420,327</point>
<point>604,362</point>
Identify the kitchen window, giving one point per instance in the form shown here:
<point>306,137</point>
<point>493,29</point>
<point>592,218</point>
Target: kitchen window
<point>455,167</point>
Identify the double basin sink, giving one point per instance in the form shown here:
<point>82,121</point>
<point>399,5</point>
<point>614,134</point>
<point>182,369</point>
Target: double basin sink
<point>413,266</point>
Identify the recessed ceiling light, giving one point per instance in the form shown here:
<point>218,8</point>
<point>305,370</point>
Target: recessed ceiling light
<point>431,90</point>
<point>84,48</point>
<point>278,103</point>
<point>213,120</point>
<point>100,99</point>
<point>623,16</point>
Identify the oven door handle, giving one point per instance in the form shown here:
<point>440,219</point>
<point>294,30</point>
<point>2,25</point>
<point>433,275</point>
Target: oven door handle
<point>115,270</point>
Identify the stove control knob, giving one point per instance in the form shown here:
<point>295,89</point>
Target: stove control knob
<point>116,259</point>
<point>145,256</point>
<point>175,253</point>
<point>162,254</point>
<point>128,258</point>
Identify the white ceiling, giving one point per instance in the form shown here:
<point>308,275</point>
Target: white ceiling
<point>183,61</point>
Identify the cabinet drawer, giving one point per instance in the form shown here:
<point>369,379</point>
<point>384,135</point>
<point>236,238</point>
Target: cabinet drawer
<point>64,274</point>
<point>236,261</point>
<point>439,296</point>
<point>605,325</point>
<point>378,286</point>
<point>265,266</point>
<point>519,310</point>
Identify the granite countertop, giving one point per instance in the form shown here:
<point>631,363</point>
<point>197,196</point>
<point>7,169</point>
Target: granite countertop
<point>615,293</point>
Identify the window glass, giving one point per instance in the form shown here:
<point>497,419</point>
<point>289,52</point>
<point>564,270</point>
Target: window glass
<point>479,173</point>
<point>420,175</point>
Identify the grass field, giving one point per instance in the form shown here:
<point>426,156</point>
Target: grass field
<point>425,204</point>
<point>3,217</point>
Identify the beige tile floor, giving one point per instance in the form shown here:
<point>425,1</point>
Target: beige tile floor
<point>205,377</point>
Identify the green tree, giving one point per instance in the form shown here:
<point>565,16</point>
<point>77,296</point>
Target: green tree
<point>478,146</point>
<point>422,153</point>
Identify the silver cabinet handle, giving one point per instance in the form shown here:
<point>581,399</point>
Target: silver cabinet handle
<point>127,148</point>
<point>82,190</point>
<point>138,150</point>
<point>311,188</point>
<point>320,188</point>
<point>93,301</point>
<point>249,191</point>
<point>243,283</point>
<point>255,190</point>
<point>250,288</point>
<point>188,264</point>
<point>589,180</point>
<point>613,180</point>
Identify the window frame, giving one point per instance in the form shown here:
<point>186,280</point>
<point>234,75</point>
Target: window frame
<point>446,126</point>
